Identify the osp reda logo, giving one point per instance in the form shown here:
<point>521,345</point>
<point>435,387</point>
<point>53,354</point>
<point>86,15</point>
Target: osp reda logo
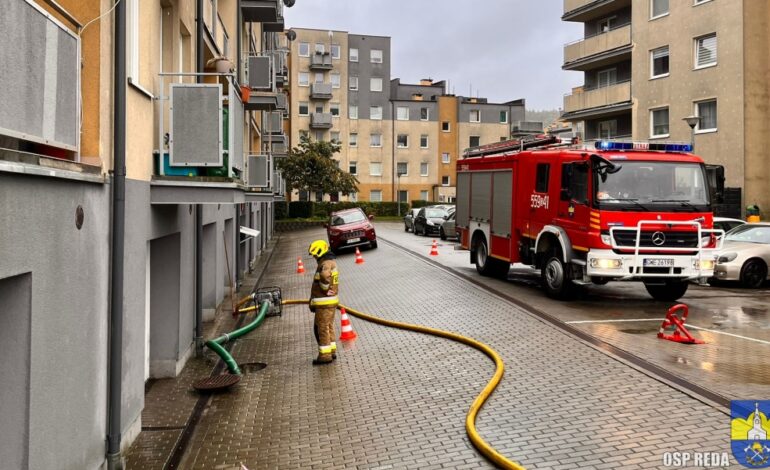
<point>749,432</point>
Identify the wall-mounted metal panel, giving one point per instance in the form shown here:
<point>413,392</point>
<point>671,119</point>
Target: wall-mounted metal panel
<point>236,116</point>
<point>463,199</point>
<point>481,183</point>
<point>196,125</point>
<point>279,185</point>
<point>261,73</point>
<point>501,209</point>
<point>39,77</point>
<point>259,169</point>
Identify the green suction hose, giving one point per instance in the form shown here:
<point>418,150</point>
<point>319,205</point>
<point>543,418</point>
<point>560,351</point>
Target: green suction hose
<point>216,344</point>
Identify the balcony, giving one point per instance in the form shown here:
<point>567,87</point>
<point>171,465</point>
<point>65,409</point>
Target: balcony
<point>276,26</point>
<point>599,50</point>
<point>321,120</point>
<point>321,61</point>
<point>261,101</point>
<point>584,103</point>
<point>587,10</point>
<point>261,11</point>
<point>321,91</point>
<point>272,123</point>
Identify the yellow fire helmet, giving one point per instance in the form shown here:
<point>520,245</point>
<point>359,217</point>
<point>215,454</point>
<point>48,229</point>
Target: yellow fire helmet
<point>318,248</point>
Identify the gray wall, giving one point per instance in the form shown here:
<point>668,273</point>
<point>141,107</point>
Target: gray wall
<point>414,109</point>
<point>365,70</point>
<point>405,91</point>
<point>490,112</point>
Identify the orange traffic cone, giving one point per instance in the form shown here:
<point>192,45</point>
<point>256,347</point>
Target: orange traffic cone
<point>434,249</point>
<point>300,266</point>
<point>347,328</point>
<point>359,258</point>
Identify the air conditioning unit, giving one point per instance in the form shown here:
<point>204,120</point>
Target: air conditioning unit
<point>258,171</point>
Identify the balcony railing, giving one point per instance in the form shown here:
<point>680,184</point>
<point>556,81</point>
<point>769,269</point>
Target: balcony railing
<point>582,99</point>
<point>321,91</point>
<point>595,45</point>
<point>572,5</point>
<point>321,120</point>
<point>260,11</point>
<point>586,10</point>
<point>321,61</point>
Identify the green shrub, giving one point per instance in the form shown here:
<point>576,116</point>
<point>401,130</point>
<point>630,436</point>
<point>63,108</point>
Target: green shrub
<point>281,210</point>
<point>422,203</point>
<point>300,209</point>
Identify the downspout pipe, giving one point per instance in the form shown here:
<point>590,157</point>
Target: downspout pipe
<point>114,460</point>
<point>199,66</point>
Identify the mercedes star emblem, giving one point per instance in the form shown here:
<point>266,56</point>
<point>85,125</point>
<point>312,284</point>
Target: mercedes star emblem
<point>658,238</point>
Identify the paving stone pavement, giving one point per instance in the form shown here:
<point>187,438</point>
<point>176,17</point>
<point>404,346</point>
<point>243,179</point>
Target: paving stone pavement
<point>397,399</point>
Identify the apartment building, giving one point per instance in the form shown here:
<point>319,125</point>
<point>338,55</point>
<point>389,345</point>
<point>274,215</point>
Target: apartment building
<point>126,177</point>
<point>649,64</point>
<point>399,140</point>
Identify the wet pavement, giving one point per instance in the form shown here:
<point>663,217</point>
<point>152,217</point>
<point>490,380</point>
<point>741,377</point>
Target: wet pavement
<point>397,399</point>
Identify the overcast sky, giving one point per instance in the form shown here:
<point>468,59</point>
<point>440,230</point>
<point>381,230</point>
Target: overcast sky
<point>503,49</point>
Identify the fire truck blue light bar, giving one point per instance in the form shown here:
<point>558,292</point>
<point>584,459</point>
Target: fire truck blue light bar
<point>643,146</point>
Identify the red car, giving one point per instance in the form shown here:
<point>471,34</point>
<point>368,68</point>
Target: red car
<point>349,228</point>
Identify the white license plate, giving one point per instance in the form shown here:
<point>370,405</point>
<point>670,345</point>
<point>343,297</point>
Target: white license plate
<point>353,240</point>
<point>659,262</point>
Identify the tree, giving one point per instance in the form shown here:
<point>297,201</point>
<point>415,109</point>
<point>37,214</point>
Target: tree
<point>310,167</point>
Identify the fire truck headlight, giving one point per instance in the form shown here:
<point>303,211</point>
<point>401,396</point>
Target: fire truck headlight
<point>603,263</point>
<point>727,257</point>
<point>606,239</point>
<point>704,264</point>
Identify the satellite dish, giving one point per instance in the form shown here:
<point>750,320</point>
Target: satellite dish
<point>291,35</point>
<point>289,3</point>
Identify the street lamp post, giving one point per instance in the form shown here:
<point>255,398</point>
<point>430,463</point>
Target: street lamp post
<point>398,192</point>
<point>692,121</point>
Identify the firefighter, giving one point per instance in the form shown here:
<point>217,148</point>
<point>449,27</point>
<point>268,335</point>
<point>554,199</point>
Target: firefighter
<point>324,300</point>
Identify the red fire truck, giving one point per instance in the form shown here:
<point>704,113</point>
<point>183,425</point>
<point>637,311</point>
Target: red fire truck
<point>620,212</point>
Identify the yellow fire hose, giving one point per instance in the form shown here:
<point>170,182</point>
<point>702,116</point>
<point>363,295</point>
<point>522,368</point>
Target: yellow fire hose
<point>470,419</point>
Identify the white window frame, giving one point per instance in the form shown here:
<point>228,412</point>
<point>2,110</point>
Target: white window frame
<point>425,194</point>
<point>353,57</point>
<point>427,114</point>
<point>700,2</point>
<point>353,111</point>
<point>610,123</point>
<point>333,139</point>
<point>299,49</point>
<point>399,117</point>
<point>339,51</point>
<point>373,56</point>
<point>478,115</point>
<point>353,165</point>
<point>652,63</point>
<point>353,139</point>
<point>371,141</point>
<point>448,126</point>
<point>133,32</point>
<point>696,106</point>
<point>319,48</point>
<point>353,197</point>
<point>353,83</point>
<point>398,165</point>
<point>318,77</point>
<point>307,80</point>
<point>398,144</point>
<point>372,114</point>
<point>299,108</point>
<point>427,141</point>
<point>339,79</point>
<point>472,136</point>
<point>608,72</point>
<point>426,166</point>
<point>610,21</point>
<point>331,108</point>
<point>652,9</point>
<point>652,123</point>
<point>372,166</point>
<point>507,116</point>
<point>716,54</point>
<point>448,180</point>
<point>446,158</point>
<point>372,192</point>
<point>373,81</point>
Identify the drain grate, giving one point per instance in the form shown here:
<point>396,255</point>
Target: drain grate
<point>217,382</point>
<point>251,367</point>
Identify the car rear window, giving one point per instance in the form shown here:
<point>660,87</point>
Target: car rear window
<point>349,218</point>
<point>434,213</point>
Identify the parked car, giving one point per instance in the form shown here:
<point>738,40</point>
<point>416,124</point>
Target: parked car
<point>429,220</point>
<point>447,229</point>
<point>745,255</point>
<point>727,224</point>
<point>349,228</point>
<point>409,219</point>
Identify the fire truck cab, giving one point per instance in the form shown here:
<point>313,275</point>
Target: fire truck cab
<point>620,212</point>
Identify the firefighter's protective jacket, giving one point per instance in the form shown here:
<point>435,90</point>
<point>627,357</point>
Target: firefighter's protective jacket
<point>325,287</point>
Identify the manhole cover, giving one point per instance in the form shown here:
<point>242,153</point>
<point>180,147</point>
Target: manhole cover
<point>217,382</point>
<point>251,367</point>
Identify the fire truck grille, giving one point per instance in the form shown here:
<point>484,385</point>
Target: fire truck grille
<point>355,234</point>
<point>672,239</point>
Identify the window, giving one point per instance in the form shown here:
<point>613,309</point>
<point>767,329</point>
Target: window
<point>304,49</point>
<point>574,182</point>
<point>353,197</point>
<point>304,133</point>
<point>445,158</point>
<point>353,167</point>
<point>606,25</point>
<point>319,48</point>
<point>606,77</point>
<point>402,113</point>
<point>541,177</point>
<point>353,54</point>
<point>353,83</point>
<point>503,117</point>
<point>319,135</point>
<point>353,138</point>
<point>375,84</point>
<point>375,195</point>
<point>335,78</point>
<point>334,108</point>
<point>376,56</point>
<point>375,113</point>
<point>353,112</point>
<point>424,169</point>
<point>319,108</point>
<point>423,141</point>
<point>659,62</point>
<point>659,122</point>
<point>423,195</point>
<point>424,114</point>
<point>473,141</point>
<point>658,8</point>
<point>608,129</point>
<point>375,169</point>
<point>319,77</point>
<point>402,141</point>
<point>375,140</point>
<point>445,126</point>
<point>336,138</point>
<point>445,181</point>
<point>304,108</point>
<point>403,196</point>
<point>335,51</point>
<point>707,111</point>
<point>706,51</point>
<point>304,79</point>
<point>475,115</point>
<point>402,168</point>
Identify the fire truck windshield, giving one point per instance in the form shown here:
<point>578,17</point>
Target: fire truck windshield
<point>659,186</point>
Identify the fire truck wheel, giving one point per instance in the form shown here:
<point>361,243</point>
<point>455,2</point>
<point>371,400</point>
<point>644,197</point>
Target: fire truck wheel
<point>670,291</point>
<point>486,265</point>
<point>556,280</point>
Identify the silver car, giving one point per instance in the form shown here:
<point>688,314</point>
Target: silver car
<point>448,228</point>
<point>409,219</point>
<point>745,255</point>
